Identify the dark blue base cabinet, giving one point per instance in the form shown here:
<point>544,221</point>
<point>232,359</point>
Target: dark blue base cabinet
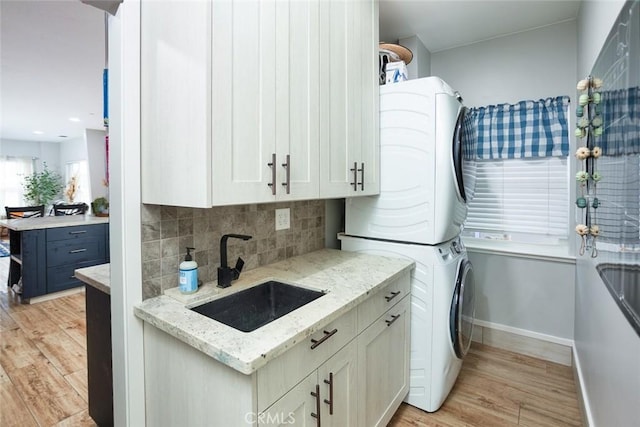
<point>99,366</point>
<point>47,258</point>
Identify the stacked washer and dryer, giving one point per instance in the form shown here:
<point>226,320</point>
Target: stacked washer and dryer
<point>418,215</point>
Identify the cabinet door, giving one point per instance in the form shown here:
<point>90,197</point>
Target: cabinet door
<point>243,116</point>
<point>383,366</point>
<point>295,407</point>
<point>349,99</point>
<point>297,97</point>
<point>339,388</point>
<point>175,95</point>
<point>265,101</point>
<point>368,149</point>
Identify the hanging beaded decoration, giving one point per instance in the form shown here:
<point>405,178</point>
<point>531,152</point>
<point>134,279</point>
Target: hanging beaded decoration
<point>589,127</point>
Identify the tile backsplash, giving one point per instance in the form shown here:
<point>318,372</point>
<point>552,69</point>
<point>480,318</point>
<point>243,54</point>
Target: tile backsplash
<point>168,230</point>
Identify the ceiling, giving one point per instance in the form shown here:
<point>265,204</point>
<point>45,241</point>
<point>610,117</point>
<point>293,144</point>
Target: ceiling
<point>52,53</point>
<point>442,25</point>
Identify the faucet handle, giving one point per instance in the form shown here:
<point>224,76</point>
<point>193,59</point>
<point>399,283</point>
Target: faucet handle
<point>238,268</point>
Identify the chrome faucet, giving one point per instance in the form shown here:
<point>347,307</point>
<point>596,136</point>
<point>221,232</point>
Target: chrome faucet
<point>226,274</point>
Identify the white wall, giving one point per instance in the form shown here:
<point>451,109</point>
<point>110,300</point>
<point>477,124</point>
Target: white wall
<point>530,65</point>
<point>525,293</point>
<point>97,162</point>
<point>48,152</point>
<point>607,349</point>
<point>73,150</point>
<point>535,295</point>
<point>420,65</point>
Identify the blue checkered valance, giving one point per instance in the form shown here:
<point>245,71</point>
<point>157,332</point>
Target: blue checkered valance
<point>621,119</point>
<point>517,131</point>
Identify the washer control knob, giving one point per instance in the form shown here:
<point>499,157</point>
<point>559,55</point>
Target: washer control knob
<point>455,247</point>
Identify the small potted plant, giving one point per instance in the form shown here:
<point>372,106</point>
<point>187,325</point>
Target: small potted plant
<point>42,188</point>
<point>100,207</point>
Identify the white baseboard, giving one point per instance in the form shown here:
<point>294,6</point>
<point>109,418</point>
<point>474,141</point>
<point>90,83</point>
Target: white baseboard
<point>581,391</point>
<point>542,346</point>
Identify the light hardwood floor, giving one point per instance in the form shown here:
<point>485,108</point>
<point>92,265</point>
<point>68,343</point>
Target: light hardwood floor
<point>43,376</point>
<point>43,362</point>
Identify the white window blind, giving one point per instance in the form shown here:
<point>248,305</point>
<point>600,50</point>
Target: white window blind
<point>523,200</point>
<point>12,173</point>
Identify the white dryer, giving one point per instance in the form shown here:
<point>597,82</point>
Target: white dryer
<point>442,313</point>
<point>422,195</point>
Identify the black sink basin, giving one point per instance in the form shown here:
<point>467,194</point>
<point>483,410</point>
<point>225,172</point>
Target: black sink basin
<point>623,282</point>
<point>255,307</point>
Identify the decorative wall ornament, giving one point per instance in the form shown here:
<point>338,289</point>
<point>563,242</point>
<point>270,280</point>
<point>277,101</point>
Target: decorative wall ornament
<point>590,127</point>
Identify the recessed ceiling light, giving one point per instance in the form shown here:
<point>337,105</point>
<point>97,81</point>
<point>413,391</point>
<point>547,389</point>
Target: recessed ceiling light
<point>74,119</point>
<point>38,132</point>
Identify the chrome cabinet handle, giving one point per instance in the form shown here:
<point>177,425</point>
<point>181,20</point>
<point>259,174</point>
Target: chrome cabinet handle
<point>317,396</point>
<point>78,232</point>
<point>287,166</point>
<point>315,343</point>
<point>392,296</point>
<point>330,401</point>
<point>361,170</point>
<point>393,319</point>
<point>77,251</point>
<point>272,165</point>
<point>355,176</point>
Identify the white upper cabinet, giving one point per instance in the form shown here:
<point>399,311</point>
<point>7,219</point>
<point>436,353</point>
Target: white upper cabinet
<point>265,107</point>
<point>349,142</point>
<point>176,103</point>
<point>235,106</point>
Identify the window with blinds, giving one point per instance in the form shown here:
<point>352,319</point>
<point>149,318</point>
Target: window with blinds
<point>523,200</point>
<point>516,171</point>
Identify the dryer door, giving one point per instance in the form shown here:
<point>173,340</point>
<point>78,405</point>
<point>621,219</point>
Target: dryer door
<point>458,153</point>
<point>462,309</point>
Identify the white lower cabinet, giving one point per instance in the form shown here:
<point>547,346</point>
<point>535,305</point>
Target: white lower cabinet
<point>326,397</point>
<point>383,365</point>
<point>352,372</point>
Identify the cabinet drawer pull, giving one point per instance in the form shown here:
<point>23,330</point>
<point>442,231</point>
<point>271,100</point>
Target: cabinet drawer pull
<point>355,176</point>
<point>361,170</point>
<point>330,401</point>
<point>317,413</point>
<point>326,336</point>
<point>392,296</point>
<point>77,251</point>
<point>393,319</point>
<point>287,166</point>
<point>78,232</point>
<point>272,165</point>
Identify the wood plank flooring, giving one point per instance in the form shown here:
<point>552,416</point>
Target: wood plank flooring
<point>43,380</point>
<point>43,361</point>
<point>501,388</point>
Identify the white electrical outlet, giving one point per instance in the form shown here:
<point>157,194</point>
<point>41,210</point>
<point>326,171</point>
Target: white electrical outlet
<point>283,219</point>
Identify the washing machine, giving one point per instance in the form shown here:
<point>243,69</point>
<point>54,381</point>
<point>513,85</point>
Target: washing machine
<point>442,312</point>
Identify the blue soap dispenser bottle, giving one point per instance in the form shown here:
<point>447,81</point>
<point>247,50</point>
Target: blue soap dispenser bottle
<point>188,274</point>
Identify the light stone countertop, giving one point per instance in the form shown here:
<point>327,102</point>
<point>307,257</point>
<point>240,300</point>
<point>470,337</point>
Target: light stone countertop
<point>24,224</point>
<point>98,276</point>
<point>347,277</point>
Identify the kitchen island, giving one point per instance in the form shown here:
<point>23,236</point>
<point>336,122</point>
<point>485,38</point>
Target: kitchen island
<point>45,251</point>
<point>343,357</point>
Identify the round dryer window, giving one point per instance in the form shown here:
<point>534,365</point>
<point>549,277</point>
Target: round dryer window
<point>462,309</point>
